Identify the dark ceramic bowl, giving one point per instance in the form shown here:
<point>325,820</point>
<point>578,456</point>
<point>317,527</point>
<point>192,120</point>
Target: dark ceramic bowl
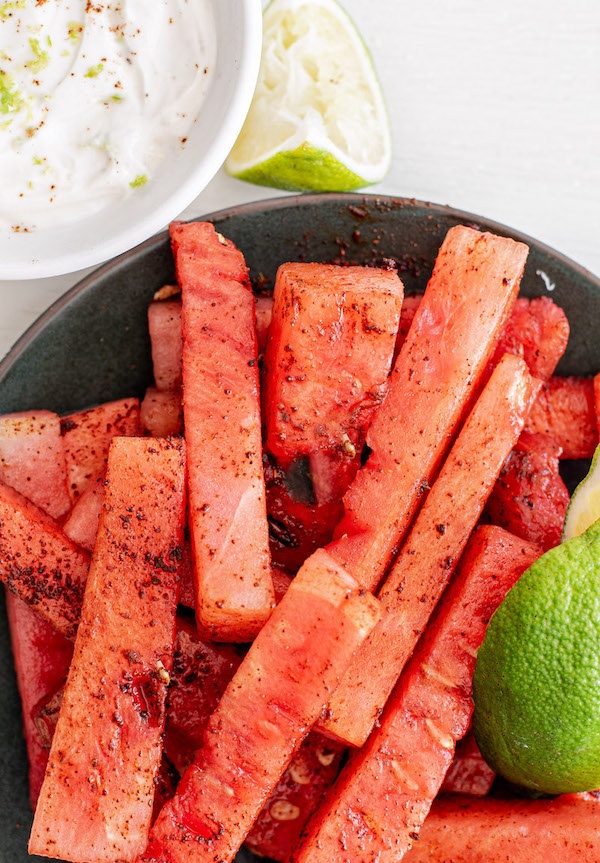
<point>92,345</point>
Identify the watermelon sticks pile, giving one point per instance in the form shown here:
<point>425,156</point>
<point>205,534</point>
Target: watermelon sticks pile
<point>246,611</point>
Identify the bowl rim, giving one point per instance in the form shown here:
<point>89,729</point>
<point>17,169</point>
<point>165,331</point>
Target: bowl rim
<point>274,204</point>
<point>29,265</point>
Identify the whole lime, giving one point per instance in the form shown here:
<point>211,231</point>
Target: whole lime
<point>537,678</point>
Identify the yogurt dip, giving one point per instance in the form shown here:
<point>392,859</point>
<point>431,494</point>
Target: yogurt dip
<point>94,97</point>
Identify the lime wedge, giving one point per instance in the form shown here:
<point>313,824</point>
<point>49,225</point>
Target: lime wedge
<point>584,506</point>
<point>318,121</point>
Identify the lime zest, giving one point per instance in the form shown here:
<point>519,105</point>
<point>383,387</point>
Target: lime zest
<point>7,9</point>
<point>139,181</point>
<point>74,31</point>
<point>11,99</point>
<point>40,57</point>
<point>94,71</point>
<point>42,163</point>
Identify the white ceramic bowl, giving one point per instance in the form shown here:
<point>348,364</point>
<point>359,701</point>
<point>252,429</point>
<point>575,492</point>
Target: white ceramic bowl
<point>124,224</point>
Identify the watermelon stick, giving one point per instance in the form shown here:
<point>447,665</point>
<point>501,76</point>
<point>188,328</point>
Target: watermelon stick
<point>433,547</point>
<point>39,563</point>
<point>312,770</point>
<point>597,401</point>
<point>331,343</point>
<point>565,409</point>
<point>221,409</point>
<point>33,459</point>
<point>96,800</point>
<point>268,708</point>
<point>464,830</point>
<point>538,331</point>
<point>164,329</point>
<point>468,773</point>
<point>33,463</point>
<point>376,808</point>
<point>87,435</point>
<point>42,657</point>
<point>467,301</point>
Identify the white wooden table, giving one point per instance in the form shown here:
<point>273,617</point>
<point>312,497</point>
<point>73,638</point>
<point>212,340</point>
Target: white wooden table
<point>495,108</point>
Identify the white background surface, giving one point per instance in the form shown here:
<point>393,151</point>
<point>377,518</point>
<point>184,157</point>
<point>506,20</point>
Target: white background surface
<point>495,108</point>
